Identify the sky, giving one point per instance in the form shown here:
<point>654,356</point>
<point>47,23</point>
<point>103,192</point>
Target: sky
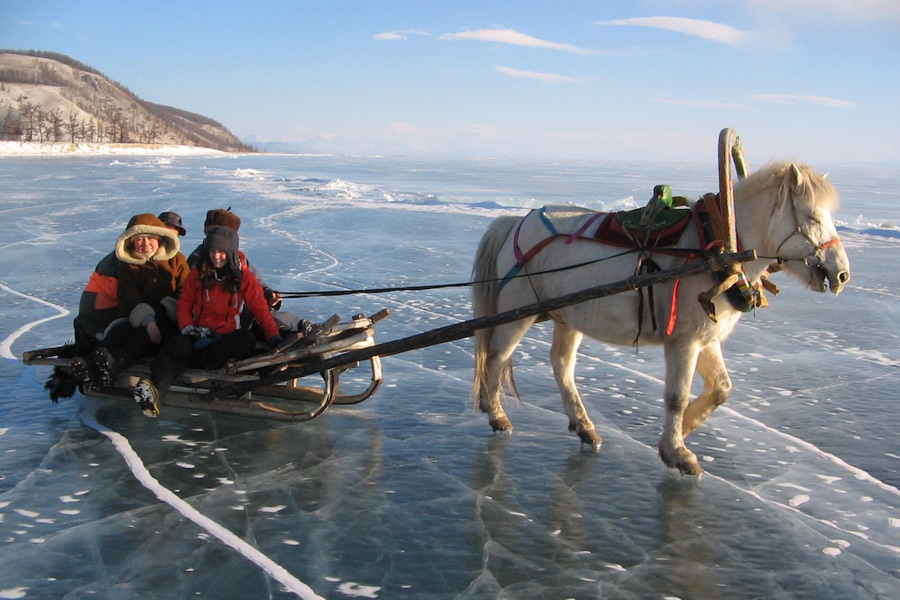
<point>813,80</point>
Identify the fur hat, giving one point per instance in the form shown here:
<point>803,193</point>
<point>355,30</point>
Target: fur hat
<point>227,240</point>
<point>173,220</point>
<point>220,216</point>
<point>147,224</point>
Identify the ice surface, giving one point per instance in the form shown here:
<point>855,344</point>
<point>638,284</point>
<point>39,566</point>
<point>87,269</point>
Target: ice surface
<point>410,494</point>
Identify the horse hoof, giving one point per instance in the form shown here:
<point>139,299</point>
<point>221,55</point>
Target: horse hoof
<point>590,437</point>
<point>501,424</point>
<point>690,468</point>
<point>683,460</point>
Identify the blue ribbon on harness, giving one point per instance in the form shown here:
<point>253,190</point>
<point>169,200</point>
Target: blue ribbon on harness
<point>520,262</point>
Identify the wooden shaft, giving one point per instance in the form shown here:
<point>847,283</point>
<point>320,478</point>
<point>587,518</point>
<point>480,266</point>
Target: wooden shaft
<point>465,329</point>
<point>728,140</point>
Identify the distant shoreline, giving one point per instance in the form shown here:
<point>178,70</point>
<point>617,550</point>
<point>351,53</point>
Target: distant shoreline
<point>88,149</point>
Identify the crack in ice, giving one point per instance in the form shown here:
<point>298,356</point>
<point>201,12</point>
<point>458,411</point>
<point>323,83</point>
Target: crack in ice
<point>166,495</point>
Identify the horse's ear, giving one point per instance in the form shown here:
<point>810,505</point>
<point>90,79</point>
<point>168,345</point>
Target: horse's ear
<point>796,178</point>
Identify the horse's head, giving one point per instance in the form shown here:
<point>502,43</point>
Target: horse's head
<point>802,232</point>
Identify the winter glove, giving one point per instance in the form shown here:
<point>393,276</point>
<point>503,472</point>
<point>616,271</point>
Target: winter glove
<point>191,331</point>
<point>275,341</point>
<point>169,303</point>
<point>273,298</point>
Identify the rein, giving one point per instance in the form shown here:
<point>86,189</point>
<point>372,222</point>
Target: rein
<point>438,286</point>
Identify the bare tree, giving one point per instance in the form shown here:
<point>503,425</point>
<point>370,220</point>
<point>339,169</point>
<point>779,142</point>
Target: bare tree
<point>40,122</point>
<point>72,126</point>
<point>12,125</point>
<point>55,122</point>
<point>26,109</point>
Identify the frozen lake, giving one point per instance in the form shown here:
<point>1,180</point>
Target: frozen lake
<point>410,495</point>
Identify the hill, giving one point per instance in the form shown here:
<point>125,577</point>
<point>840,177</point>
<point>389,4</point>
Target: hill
<point>48,97</point>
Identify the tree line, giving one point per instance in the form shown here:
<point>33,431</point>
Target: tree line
<point>98,118</point>
<point>31,122</point>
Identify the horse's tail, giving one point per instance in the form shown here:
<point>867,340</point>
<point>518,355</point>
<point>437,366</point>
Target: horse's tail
<point>485,298</point>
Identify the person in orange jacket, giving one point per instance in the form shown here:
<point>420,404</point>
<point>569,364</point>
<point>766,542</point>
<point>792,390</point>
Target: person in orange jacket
<point>98,307</point>
<point>208,311</point>
<point>151,271</point>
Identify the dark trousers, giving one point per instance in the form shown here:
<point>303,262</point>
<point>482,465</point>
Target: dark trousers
<point>129,344</point>
<point>179,353</point>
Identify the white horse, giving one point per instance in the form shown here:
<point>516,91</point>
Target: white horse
<point>783,211</point>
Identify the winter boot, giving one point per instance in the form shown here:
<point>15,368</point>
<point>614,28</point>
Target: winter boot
<point>147,396</point>
<point>108,366</point>
<point>81,369</point>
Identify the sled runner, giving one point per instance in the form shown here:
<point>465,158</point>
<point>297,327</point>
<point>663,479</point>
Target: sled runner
<point>285,400</point>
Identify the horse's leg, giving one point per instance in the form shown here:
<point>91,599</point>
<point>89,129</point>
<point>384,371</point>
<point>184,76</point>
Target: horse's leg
<point>563,354</point>
<point>497,368</point>
<point>716,388</point>
<point>681,359</point>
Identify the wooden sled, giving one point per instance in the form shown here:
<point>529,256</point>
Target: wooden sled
<point>275,398</point>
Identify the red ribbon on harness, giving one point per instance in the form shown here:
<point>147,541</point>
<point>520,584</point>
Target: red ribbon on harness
<point>673,310</point>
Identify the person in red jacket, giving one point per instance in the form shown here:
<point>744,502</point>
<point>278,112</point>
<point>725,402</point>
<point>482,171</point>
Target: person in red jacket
<point>208,312</point>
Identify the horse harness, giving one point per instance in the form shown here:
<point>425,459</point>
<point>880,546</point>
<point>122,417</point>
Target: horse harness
<point>654,229</point>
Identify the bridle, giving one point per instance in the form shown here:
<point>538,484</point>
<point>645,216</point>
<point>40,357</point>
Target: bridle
<point>816,248</point>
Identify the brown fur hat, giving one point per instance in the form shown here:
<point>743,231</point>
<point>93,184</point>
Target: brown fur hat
<point>220,216</point>
<point>147,224</point>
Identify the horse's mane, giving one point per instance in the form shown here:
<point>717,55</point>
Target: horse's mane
<point>817,191</point>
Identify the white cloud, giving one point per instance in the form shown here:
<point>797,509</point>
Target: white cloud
<point>390,35</point>
<point>789,100</point>
<point>705,29</point>
<point>512,37</point>
<point>841,11</point>
<point>398,35</point>
<point>548,77</point>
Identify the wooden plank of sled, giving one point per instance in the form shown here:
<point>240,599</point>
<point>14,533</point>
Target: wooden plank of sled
<point>363,321</point>
<point>362,339</point>
<point>48,361</point>
<point>68,351</point>
<point>324,329</point>
<point>192,376</point>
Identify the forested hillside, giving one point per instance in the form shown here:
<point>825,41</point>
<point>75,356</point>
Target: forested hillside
<point>49,97</point>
